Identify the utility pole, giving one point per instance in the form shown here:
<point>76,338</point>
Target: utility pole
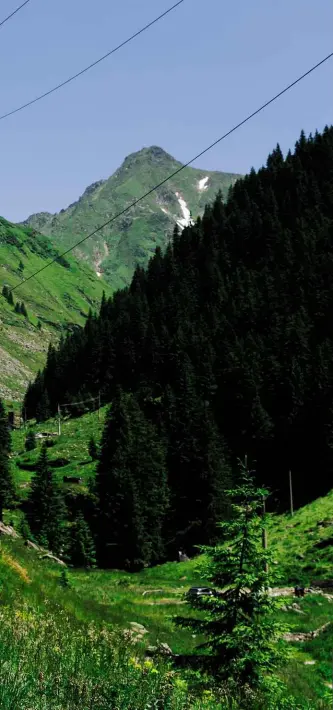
<point>59,421</point>
<point>291,495</point>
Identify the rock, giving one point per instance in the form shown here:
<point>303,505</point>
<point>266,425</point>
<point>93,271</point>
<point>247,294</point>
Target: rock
<point>182,579</point>
<point>49,556</point>
<point>165,649</point>
<point>309,663</point>
<point>305,636</point>
<point>32,545</point>
<point>138,628</point>
<point>8,530</point>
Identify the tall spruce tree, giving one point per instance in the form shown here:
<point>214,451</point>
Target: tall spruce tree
<point>81,550</point>
<point>45,505</point>
<point>7,488</point>
<point>240,622</point>
<point>43,409</point>
<point>30,440</point>
<point>131,488</point>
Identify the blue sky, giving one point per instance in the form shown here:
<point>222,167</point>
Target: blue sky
<point>180,85</point>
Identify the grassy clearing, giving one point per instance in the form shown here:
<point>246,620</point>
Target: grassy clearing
<point>71,445</point>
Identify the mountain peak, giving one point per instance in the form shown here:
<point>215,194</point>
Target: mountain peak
<point>153,155</point>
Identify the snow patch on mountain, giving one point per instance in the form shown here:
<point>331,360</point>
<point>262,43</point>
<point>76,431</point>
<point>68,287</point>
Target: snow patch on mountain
<point>202,184</point>
<point>99,260</point>
<point>186,219</point>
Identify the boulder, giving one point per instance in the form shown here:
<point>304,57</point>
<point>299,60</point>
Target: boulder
<point>161,649</point>
<point>138,628</point>
<point>164,649</point>
<point>8,530</point>
<point>53,558</point>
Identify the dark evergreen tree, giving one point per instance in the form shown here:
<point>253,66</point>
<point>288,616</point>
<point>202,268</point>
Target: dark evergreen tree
<point>30,440</point>
<point>93,449</point>
<point>7,488</point>
<point>43,410</point>
<point>45,505</point>
<point>240,622</point>
<point>131,488</point>
<point>81,546</point>
<point>17,308</point>
<point>5,292</point>
<point>24,310</point>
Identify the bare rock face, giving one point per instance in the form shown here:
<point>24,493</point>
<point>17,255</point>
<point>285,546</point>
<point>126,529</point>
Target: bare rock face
<point>8,530</point>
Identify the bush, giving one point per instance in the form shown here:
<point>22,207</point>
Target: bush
<point>30,441</point>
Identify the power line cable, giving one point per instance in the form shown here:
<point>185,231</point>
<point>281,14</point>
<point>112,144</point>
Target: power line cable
<point>14,13</point>
<point>179,170</point>
<point>94,64</point>
<point>83,401</point>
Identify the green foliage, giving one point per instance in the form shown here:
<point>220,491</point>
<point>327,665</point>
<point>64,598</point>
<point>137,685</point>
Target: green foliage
<point>30,440</point>
<point>43,408</point>
<point>64,579</point>
<point>81,547</point>
<point>240,622</point>
<point>24,528</point>
<point>131,487</point>
<point>93,449</point>
<point>7,488</point>
<point>45,505</point>
<point>24,310</point>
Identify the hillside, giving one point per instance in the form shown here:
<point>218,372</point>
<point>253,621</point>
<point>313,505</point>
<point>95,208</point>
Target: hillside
<point>131,239</point>
<point>302,544</point>
<point>226,340</point>
<point>34,598</point>
<point>59,299</point>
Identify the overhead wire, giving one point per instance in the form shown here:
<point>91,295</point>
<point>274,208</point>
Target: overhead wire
<point>176,172</point>
<point>93,64</point>
<point>14,13</point>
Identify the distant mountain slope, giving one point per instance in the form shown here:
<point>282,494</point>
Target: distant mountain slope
<point>59,298</point>
<point>132,239</point>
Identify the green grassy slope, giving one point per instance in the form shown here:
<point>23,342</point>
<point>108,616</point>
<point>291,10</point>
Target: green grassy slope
<point>303,544</point>
<point>131,239</point>
<point>60,297</point>
<point>302,549</point>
